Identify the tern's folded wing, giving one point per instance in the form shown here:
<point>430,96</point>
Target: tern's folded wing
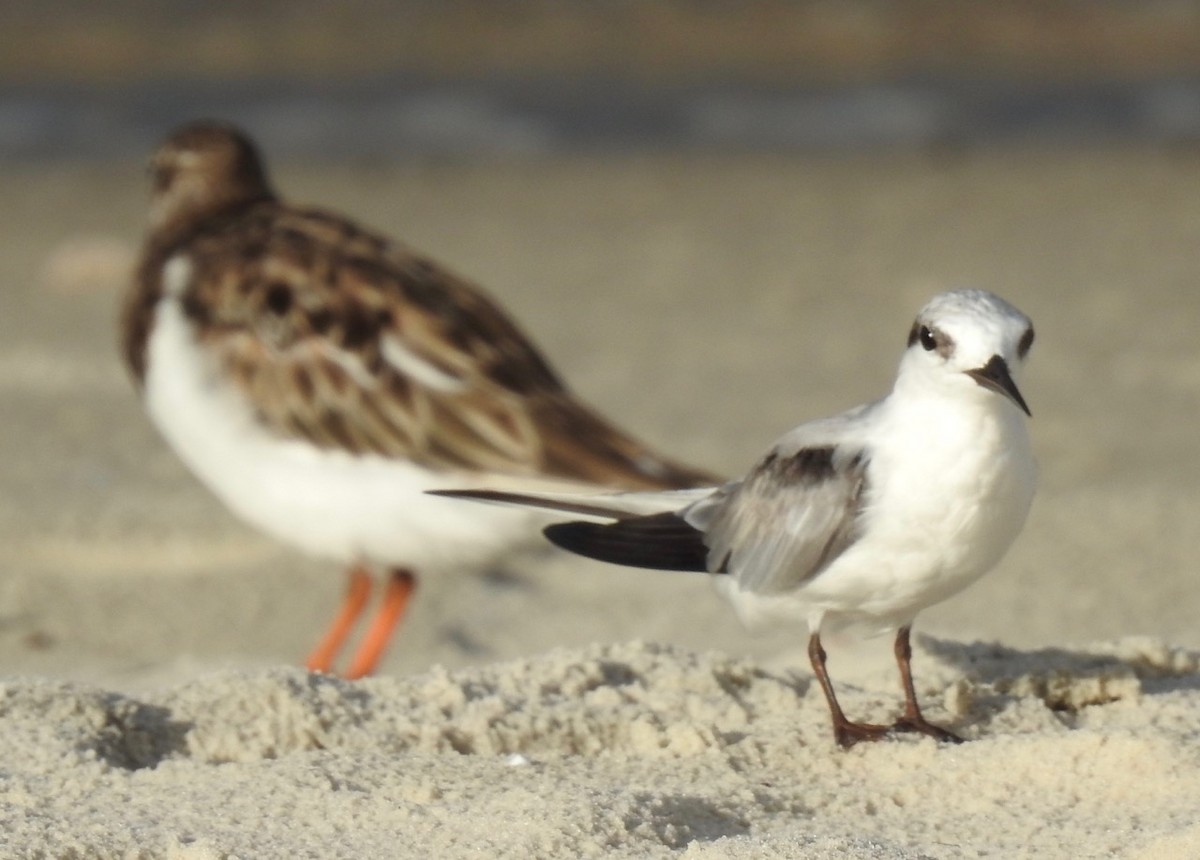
<point>791,516</point>
<point>785,522</point>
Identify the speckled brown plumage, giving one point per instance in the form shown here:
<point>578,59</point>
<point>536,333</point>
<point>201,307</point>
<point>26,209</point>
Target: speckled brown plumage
<point>315,319</point>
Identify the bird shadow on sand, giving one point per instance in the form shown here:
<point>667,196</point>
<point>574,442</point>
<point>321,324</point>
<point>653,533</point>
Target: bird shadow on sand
<point>137,735</point>
<point>1070,679</point>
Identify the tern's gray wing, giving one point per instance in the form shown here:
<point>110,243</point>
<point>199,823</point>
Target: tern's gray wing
<point>786,521</point>
<point>792,515</point>
<point>795,512</point>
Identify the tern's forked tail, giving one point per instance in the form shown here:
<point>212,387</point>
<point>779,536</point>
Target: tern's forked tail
<point>660,541</point>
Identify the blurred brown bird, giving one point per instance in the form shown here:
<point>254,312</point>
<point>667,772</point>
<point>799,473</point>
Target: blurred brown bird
<point>318,377</point>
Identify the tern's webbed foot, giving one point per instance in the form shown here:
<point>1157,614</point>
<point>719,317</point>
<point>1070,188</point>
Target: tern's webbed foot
<point>847,734</point>
<point>920,724</point>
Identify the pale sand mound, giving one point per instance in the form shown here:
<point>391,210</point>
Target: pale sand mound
<point>626,750</point>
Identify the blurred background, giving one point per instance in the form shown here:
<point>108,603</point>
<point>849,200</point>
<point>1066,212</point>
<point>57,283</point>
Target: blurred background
<point>716,217</point>
<point>369,78</point>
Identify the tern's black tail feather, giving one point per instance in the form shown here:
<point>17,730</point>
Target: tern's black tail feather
<point>659,541</point>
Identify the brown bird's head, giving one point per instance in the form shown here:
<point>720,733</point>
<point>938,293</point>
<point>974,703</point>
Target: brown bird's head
<point>204,169</point>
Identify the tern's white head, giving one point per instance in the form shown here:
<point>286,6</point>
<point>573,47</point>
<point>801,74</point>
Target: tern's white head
<point>968,343</point>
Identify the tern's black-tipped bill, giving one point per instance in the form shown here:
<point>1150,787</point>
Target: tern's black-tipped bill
<point>995,375</point>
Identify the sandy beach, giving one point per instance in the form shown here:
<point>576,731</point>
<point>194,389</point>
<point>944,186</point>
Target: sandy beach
<point>552,707</point>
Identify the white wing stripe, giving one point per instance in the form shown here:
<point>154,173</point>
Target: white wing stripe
<point>408,363</point>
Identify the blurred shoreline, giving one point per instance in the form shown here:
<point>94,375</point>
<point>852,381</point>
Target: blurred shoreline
<point>763,42</point>
<point>468,78</point>
<point>393,117</point>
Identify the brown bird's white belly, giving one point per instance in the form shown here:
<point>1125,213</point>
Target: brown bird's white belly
<point>328,503</point>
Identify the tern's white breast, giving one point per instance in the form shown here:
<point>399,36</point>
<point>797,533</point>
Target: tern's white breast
<point>327,503</point>
<point>951,486</point>
<point>948,491</point>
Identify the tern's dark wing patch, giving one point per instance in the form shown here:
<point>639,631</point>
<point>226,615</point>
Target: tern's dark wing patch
<point>658,541</point>
<point>790,517</point>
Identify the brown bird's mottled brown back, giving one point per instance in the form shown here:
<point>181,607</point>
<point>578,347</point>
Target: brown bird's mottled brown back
<point>345,339</point>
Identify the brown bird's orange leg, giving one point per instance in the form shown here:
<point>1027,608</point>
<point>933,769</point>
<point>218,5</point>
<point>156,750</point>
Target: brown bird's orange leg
<point>400,587</point>
<point>357,592</point>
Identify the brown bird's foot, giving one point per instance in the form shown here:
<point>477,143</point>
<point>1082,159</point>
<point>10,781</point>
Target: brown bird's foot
<point>847,734</point>
<point>922,725</point>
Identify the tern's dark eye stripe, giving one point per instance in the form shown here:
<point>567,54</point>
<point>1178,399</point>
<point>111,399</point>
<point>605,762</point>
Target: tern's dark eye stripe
<point>931,338</point>
<point>1026,342</point>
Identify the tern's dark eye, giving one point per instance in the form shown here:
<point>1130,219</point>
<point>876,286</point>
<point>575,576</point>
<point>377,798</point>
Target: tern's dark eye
<point>928,341</point>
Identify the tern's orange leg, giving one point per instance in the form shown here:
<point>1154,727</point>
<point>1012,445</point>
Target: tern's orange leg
<point>357,592</point>
<point>400,587</point>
